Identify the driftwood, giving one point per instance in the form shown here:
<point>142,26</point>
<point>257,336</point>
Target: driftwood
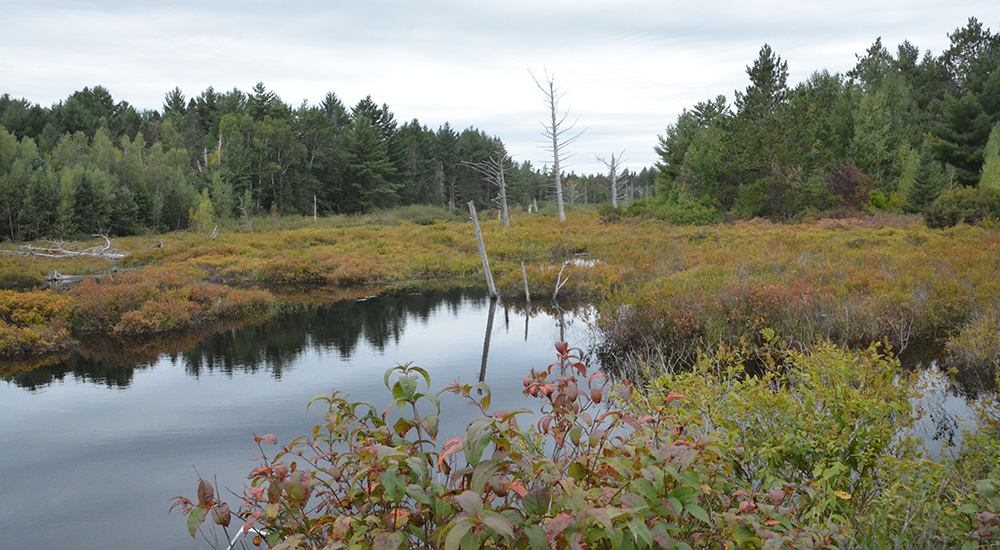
<point>62,249</point>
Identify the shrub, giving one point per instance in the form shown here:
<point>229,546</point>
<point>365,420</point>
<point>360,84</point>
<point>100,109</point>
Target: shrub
<point>963,205</point>
<point>584,476</point>
<point>33,323</point>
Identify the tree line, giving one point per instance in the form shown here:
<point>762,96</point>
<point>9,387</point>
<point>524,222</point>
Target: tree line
<point>93,164</point>
<point>894,133</point>
<point>897,132</point>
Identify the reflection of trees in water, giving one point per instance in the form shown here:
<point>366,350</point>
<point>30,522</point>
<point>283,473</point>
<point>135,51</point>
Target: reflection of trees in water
<point>272,346</point>
<point>340,327</point>
<point>100,371</point>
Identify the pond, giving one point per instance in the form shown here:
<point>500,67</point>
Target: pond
<point>94,451</point>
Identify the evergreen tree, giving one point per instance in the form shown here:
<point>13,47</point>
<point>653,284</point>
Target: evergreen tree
<point>990,177</point>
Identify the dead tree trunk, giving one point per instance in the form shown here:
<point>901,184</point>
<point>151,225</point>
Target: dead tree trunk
<point>492,169</point>
<point>614,167</point>
<point>555,130</point>
<point>482,251</point>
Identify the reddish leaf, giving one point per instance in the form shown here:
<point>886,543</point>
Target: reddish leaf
<point>562,348</point>
<point>205,493</point>
<point>221,515</point>
<point>249,524</point>
<point>518,488</point>
<point>387,541</point>
<point>596,393</point>
<point>673,396</point>
<point>557,525</point>
<point>572,392</point>
<point>450,447</point>
<point>590,381</point>
<point>269,438</point>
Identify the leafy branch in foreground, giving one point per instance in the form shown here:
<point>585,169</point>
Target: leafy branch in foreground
<point>585,474</point>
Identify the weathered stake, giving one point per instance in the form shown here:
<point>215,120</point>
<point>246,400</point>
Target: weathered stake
<point>524,273</point>
<point>482,252</point>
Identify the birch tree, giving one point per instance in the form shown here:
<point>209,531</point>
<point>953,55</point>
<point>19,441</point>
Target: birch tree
<point>556,130</point>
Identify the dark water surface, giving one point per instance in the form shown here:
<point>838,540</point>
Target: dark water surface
<point>93,452</point>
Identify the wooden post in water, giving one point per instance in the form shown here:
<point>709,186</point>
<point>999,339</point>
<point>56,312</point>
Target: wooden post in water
<point>524,273</point>
<point>482,252</point>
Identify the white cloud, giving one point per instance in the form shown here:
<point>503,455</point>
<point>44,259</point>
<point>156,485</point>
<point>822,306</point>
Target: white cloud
<point>628,67</point>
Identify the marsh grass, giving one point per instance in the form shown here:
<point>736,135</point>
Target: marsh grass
<point>681,288</point>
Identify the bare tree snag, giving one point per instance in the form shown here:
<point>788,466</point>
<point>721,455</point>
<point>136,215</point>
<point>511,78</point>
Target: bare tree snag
<point>614,170</point>
<point>482,252</point>
<point>555,130</point>
<point>560,282</point>
<point>524,273</point>
<point>492,169</point>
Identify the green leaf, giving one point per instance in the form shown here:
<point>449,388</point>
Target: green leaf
<point>698,512</point>
<point>418,494</point>
<point>645,488</point>
<point>640,531</point>
<point>401,427</point>
<point>195,519</point>
<point>498,523</point>
<point>536,537</point>
<point>601,516</point>
<point>430,424</point>
<point>455,534</point>
<point>483,472</point>
<point>476,441</point>
<point>536,502</point>
<point>422,372</point>
<point>470,502</point>
<point>409,384</point>
<point>394,485</point>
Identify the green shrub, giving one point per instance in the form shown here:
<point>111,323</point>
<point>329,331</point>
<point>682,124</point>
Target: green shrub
<point>586,475</point>
<point>963,205</point>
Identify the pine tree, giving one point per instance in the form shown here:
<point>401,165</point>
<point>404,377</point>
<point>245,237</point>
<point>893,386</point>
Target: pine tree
<point>990,177</point>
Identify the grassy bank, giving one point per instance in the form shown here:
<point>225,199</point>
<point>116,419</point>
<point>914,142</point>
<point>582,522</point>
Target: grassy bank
<point>657,287</point>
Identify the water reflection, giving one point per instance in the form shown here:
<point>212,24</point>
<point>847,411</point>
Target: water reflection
<point>103,444</point>
<point>272,346</point>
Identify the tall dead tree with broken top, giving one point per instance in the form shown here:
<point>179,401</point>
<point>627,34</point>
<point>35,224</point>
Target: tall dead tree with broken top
<point>614,171</point>
<point>493,169</point>
<point>556,131</point>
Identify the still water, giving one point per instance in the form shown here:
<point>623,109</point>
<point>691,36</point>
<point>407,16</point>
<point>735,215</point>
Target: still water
<point>93,451</point>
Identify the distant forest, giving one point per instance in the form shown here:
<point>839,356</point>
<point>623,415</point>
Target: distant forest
<point>894,133</point>
<point>90,164</point>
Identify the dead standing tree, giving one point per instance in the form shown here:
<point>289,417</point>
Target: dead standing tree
<point>614,171</point>
<point>492,169</point>
<point>556,130</point>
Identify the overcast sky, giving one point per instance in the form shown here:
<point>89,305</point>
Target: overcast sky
<point>628,67</point>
